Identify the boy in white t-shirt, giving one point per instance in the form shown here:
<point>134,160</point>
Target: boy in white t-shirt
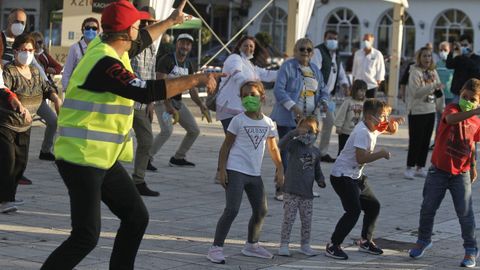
<point>239,165</point>
<point>351,185</point>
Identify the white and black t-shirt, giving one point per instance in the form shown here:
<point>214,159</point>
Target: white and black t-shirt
<point>168,64</point>
<point>247,151</point>
<point>346,163</point>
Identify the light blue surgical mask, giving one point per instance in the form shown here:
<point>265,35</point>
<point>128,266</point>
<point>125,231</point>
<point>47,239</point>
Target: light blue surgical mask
<point>331,44</point>
<point>89,34</point>
<point>466,50</point>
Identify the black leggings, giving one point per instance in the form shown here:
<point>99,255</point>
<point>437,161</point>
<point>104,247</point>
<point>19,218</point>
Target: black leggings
<point>420,129</point>
<point>87,186</point>
<point>356,196</point>
<point>253,186</point>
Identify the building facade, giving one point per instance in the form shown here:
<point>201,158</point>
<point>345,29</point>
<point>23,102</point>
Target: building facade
<point>425,21</point>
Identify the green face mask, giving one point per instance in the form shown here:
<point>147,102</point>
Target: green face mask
<point>466,105</point>
<point>251,103</point>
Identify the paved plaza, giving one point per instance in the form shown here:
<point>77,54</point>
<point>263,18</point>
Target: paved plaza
<point>183,218</point>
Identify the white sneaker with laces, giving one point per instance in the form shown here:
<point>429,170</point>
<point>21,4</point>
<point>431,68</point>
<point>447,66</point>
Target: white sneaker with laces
<point>422,172</point>
<point>307,250</point>
<point>409,174</point>
<point>215,255</point>
<point>255,250</point>
<point>284,251</point>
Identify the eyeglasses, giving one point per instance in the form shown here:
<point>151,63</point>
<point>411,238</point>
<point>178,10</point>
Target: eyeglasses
<point>18,21</point>
<point>303,49</point>
<point>26,50</point>
<point>94,28</point>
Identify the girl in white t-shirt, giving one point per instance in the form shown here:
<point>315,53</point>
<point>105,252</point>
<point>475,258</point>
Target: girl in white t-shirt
<point>351,185</point>
<point>239,164</point>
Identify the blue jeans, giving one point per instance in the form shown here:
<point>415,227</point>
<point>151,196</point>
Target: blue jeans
<point>436,185</point>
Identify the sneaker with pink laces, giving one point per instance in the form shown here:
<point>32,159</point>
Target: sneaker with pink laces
<point>255,250</point>
<point>215,255</point>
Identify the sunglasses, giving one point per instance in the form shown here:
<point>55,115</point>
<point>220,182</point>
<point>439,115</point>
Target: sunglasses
<point>40,42</point>
<point>94,28</point>
<point>303,49</point>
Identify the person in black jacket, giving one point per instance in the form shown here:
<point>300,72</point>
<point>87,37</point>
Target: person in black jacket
<point>464,62</point>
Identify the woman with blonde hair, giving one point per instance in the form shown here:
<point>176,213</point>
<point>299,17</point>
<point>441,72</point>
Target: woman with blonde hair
<point>424,90</point>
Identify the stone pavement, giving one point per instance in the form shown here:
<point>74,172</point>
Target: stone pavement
<point>183,218</point>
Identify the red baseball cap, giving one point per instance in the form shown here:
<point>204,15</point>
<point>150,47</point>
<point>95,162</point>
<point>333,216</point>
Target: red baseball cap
<point>120,15</point>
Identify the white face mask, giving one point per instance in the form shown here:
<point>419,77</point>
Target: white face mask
<point>367,44</point>
<point>39,52</point>
<point>443,55</point>
<point>249,56</point>
<point>25,58</point>
<point>17,29</point>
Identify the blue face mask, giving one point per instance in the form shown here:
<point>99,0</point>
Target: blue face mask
<point>307,139</point>
<point>331,44</point>
<point>89,34</point>
<point>466,50</point>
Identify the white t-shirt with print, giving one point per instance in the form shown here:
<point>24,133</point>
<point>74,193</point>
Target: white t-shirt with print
<point>307,103</point>
<point>247,151</point>
<point>346,164</point>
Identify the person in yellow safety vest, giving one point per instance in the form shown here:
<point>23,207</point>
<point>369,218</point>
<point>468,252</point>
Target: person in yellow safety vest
<point>94,134</point>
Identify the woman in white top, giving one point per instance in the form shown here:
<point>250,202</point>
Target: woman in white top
<point>90,29</point>
<point>240,68</point>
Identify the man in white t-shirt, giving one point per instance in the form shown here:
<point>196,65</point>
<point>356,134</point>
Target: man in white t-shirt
<point>369,66</point>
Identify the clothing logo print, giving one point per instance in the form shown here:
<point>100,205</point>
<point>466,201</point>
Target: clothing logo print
<point>256,134</point>
<point>307,161</point>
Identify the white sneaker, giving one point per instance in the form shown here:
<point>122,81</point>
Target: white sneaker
<point>7,207</point>
<point>215,255</point>
<point>307,250</point>
<point>18,202</point>
<point>316,194</point>
<point>409,174</point>
<point>284,251</point>
<point>255,250</point>
<point>421,173</point>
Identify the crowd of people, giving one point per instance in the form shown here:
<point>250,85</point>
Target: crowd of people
<point>114,80</point>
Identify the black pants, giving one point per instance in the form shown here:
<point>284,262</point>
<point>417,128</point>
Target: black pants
<point>420,129</point>
<point>371,93</point>
<point>342,140</point>
<point>13,161</point>
<point>87,186</point>
<point>356,196</point>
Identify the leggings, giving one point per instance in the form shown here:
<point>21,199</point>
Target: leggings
<point>253,186</point>
<point>420,129</point>
<point>291,203</point>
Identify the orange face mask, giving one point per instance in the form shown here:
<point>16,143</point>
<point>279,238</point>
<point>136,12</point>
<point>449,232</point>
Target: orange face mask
<point>381,126</point>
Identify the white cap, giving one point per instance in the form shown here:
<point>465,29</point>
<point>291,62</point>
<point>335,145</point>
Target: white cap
<point>185,36</point>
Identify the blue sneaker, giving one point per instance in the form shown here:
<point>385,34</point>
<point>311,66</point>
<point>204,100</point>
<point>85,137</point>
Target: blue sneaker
<point>471,254</point>
<point>418,251</point>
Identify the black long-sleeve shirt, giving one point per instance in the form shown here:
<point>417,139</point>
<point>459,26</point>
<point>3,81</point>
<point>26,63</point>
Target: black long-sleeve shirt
<point>465,68</point>
<point>109,74</point>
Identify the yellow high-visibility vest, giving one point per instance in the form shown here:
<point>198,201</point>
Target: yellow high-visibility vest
<point>94,128</point>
